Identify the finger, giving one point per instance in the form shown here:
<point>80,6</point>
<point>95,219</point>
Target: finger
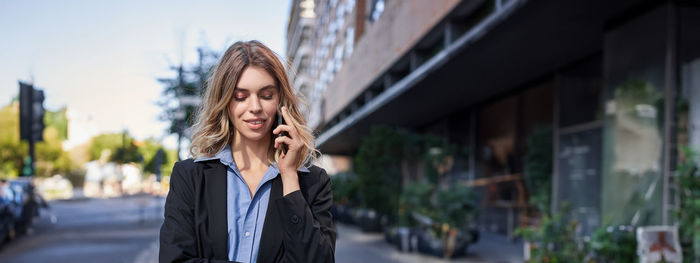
<point>287,128</point>
<point>292,144</point>
<point>286,140</point>
<point>285,114</point>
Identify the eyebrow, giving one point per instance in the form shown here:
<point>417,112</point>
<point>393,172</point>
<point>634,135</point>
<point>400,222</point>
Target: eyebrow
<point>262,89</point>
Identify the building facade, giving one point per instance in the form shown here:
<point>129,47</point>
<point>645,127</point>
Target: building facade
<point>613,84</point>
<point>321,35</point>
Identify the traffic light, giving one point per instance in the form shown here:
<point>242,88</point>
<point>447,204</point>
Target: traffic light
<point>38,115</point>
<point>31,121</point>
<point>31,112</point>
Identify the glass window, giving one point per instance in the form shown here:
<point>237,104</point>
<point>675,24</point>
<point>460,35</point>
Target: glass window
<point>340,12</point>
<point>349,6</point>
<point>338,58</point>
<point>634,63</point>
<point>377,10</point>
<point>349,41</point>
<point>689,53</point>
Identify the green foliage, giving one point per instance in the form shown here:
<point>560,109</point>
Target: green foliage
<point>454,205</point>
<point>127,154</point>
<point>379,180</point>
<point>172,91</point>
<point>344,189</point>
<point>12,150</point>
<point>189,82</point>
<point>450,207</point>
<point>538,167</point>
<point>435,155</point>
<point>171,156</point>
<point>58,120</point>
<point>415,197</point>
<point>635,91</point>
<point>148,151</point>
<point>119,148</point>
<point>554,240</point>
<point>614,244</point>
<point>50,157</point>
<point>378,169</point>
<point>102,142</point>
<point>688,214</point>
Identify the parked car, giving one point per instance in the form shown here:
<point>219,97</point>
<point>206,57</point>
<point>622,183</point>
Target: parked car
<point>27,202</point>
<point>8,208</point>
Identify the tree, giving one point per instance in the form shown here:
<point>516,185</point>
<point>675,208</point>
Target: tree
<point>378,167</point>
<point>51,158</point>
<point>149,148</point>
<point>118,147</point>
<point>180,93</point>
<point>12,150</point>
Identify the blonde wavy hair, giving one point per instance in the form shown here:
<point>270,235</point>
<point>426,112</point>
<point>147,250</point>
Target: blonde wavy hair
<point>213,128</point>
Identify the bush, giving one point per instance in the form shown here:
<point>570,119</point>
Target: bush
<point>538,168</point>
<point>614,244</point>
<point>344,189</point>
<point>378,169</point>
<point>554,240</point>
<point>688,214</point>
<point>415,198</point>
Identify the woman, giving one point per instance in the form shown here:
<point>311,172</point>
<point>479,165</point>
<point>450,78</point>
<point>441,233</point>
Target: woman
<point>246,195</point>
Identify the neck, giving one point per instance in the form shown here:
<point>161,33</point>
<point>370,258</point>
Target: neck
<point>250,154</point>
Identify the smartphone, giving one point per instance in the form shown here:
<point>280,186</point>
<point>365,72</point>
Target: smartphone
<point>280,120</point>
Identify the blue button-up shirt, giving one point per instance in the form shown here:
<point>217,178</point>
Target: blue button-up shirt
<point>245,213</point>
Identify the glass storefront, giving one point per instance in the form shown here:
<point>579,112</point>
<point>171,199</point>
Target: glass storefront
<point>634,88</point>
<point>579,142</point>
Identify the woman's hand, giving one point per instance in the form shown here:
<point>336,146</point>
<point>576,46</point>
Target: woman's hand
<point>288,161</point>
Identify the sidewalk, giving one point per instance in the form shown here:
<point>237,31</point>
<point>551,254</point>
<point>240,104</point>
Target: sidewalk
<point>352,245</point>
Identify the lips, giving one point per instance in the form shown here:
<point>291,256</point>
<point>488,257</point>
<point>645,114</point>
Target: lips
<point>255,124</point>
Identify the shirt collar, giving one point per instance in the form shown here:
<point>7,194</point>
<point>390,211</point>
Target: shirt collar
<point>226,158</point>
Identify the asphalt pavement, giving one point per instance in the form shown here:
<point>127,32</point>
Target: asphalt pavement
<point>90,230</point>
<point>125,229</point>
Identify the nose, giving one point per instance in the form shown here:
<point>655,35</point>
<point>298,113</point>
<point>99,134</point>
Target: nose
<point>255,105</point>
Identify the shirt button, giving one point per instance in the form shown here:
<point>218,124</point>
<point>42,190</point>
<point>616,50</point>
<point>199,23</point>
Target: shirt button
<point>247,233</point>
<point>295,219</point>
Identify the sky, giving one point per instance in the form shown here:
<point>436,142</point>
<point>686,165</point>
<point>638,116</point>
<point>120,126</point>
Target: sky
<point>102,59</point>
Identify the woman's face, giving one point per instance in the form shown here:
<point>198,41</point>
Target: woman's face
<point>254,105</point>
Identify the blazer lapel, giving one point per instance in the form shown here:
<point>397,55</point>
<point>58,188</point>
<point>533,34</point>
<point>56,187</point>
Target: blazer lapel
<point>215,200</point>
<point>271,238</point>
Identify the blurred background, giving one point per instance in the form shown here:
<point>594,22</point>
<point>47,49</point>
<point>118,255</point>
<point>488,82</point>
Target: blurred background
<point>453,131</point>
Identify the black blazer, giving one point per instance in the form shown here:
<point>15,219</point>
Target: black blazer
<point>298,227</point>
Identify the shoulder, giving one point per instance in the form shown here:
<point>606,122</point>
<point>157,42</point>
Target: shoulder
<point>184,167</point>
<point>186,170</point>
<point>316,175</point>
<point>184,164</point>
<point>313,169</point>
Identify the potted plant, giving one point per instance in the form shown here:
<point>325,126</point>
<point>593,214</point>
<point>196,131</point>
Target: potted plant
<point>377,164</point>
<point>447,233</point>
<point>688,213</point>
<point>614,244</point>
<point>554,239</point>
<point>415,197</point>
<point>344,196</point>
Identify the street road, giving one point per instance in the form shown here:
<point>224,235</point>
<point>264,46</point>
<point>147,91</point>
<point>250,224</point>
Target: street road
<point>91,230</point>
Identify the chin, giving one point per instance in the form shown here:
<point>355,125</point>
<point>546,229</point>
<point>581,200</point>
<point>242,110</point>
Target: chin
<point>254,135</point>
